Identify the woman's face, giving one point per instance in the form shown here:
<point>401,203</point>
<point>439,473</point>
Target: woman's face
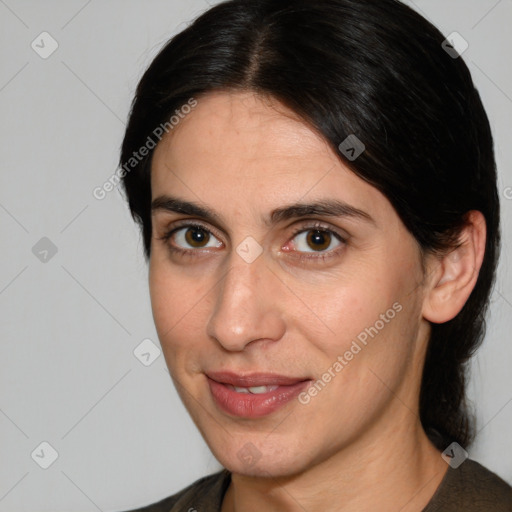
<point>259,289</point>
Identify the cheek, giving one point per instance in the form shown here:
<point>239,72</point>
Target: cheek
<point>359,379</point>
<point>375,354</point>
<point>346,308</point>
<point>370,322</point>
<point>177,303</point>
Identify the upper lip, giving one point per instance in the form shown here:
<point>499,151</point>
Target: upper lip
<point>254,379</point>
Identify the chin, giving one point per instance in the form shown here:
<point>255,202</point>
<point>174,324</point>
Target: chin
<point>244,458</point>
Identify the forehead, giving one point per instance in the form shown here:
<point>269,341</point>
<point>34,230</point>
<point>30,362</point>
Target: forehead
<point>244,148</point>
<point>240,126</point>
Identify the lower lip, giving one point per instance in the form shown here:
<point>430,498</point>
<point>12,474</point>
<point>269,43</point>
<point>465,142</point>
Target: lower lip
<point>248,405</point>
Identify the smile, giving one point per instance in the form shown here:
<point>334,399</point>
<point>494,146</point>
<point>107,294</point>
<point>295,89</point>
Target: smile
<point>255,395</point>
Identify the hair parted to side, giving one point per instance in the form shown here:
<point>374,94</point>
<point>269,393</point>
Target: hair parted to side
<point>376,69</point>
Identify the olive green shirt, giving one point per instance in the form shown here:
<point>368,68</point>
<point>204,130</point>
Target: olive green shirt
<point>469,488</point>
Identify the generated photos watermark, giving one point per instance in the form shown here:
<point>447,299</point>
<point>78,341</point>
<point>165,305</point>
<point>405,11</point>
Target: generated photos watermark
<point>137,156</point>
<point>355,347</point>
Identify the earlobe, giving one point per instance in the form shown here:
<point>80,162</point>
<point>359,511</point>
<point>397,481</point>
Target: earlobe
<point>456,272</point>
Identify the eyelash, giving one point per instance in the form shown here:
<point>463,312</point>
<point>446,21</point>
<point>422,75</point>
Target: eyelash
<point>302,257</point>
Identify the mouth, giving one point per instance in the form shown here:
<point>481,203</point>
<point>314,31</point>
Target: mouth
<point>253,395</point>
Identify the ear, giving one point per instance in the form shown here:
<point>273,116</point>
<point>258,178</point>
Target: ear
<point>454,275</point>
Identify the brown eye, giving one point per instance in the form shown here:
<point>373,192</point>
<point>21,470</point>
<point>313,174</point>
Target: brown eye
<point>318,240</point>
<point>194,237</point>
<point>197,237</point>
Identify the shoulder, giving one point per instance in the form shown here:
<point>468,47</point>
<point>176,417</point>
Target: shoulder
<point>205,494</point>
<point>471,487</point>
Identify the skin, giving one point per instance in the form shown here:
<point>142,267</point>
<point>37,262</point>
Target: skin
<point>358,444</point>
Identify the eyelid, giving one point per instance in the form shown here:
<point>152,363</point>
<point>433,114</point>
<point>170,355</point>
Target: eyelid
<point>187,223</point>
<point>320,226</point>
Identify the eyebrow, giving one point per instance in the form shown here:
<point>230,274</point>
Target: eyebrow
<point>323,207</point>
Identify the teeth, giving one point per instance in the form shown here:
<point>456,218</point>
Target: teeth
<point>261,389</point>
<point>255,390</point>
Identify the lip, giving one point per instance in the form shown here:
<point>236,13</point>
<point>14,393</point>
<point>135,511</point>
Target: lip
<point>247,405</point>
<point>254,379</point>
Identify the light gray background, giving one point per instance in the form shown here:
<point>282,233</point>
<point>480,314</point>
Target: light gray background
<point>69,326</point>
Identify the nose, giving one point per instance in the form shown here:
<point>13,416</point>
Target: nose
<point>246,306</point>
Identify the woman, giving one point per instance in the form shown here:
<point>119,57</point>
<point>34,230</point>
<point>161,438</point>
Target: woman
<point>316,188</point>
